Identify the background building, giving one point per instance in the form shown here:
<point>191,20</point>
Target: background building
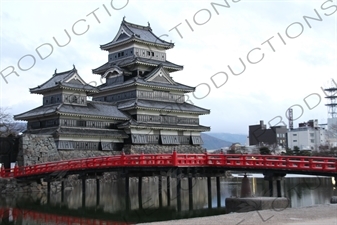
<point>308,136</point>
<point>259,135</point>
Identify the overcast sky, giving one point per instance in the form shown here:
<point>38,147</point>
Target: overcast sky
<point>299,55</point>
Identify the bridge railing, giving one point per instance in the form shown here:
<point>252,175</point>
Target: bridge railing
<point>304,163</point>
<point>324,164</point>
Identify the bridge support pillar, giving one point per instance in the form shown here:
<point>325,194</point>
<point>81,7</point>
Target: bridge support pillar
<point>97,191</point>
<point>218,193</point>
<point>127,192</point>
<point>62,191</point>
<point>271,187</point>
<point>278,188</point>
<point>209,192</point>
<point>190,193</point>
<point>179,189</point>
<point>83,191</point>
<point>140,187</point>
<point>160,191</point>
<point>275,188</point>
<point>48,191</point>
<point>245,187</point>
<point>168,189</point>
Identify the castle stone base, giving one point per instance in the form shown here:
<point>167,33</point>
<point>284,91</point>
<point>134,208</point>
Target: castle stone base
<point>35,149</point>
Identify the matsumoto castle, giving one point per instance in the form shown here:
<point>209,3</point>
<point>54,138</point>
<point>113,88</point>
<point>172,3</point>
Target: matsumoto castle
<point>139,106</point>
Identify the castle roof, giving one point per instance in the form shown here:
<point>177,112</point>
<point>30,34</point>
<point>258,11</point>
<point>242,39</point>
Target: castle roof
<point>135,124</point>
<point>65,80</point>
<point>92,109</point>
<point>129,32</point>
<point>137,60</point>
<point>139,81</point>
<point>162,106</point>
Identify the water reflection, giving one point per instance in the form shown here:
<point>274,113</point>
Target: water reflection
<point>111,202</point>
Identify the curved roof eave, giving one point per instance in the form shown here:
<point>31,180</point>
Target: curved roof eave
<point>166,110</point>
<point>91,116</point>
<point>149,127</point>
<point>110,45</point>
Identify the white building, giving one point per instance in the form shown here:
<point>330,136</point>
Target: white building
<point>309,136</point>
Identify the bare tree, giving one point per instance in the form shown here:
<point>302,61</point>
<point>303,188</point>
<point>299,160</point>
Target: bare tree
<point>7,124</point>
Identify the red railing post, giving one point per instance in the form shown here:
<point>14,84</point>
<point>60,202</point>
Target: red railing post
<point>123,158</point>
<point>2,172</point>
<point>310,164</point>
<point>141,158</point>
<point>16,169</point>
<point>206,161</point>
<point>174,158</point>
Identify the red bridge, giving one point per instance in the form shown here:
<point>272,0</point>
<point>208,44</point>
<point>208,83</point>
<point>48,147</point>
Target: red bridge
<point>176,166</point>
<point>286,164</point>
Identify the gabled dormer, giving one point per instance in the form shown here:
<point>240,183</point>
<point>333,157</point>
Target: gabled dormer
<point>159,75</point>
<point>65,87</point>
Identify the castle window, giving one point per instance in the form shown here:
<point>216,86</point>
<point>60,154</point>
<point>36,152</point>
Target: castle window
<point>74,99</point>
<point>81,123</point>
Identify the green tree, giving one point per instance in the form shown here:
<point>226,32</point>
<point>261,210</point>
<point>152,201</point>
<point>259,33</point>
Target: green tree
<point>264,150</point>
<point>305,153</point>
<point>296,150</point>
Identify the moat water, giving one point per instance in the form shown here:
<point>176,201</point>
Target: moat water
<point>111,206</point>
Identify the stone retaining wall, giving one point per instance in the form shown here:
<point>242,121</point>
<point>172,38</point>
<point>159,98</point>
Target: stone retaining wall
<point>11,186</point>
<point>67,155</point>
<point>35,149</point>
